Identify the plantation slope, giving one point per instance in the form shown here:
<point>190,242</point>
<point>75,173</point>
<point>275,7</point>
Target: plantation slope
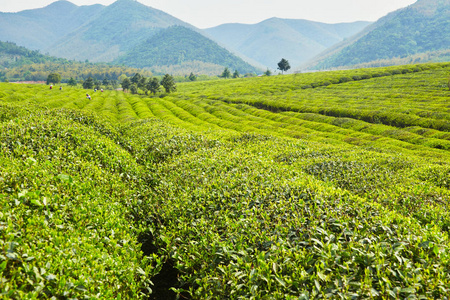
<point>320,185</point>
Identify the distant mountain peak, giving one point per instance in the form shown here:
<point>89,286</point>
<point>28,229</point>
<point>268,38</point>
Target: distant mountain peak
<point>61,4</point>
<point>127,2</point>
<point>294,39</point>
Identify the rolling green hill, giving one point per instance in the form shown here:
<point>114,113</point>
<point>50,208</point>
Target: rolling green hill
<point>422,28</point>
<point>296,40</point>
<point>178,45</point>
<point>325,185</point>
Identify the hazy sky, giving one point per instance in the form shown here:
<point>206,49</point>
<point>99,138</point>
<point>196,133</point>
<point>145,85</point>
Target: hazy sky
<point>209,13</point>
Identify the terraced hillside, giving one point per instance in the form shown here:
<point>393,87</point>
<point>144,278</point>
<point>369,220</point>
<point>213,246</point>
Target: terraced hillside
<point>320,185</point>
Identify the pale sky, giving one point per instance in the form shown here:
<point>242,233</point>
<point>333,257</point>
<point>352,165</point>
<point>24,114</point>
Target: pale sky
<point>210,13</point>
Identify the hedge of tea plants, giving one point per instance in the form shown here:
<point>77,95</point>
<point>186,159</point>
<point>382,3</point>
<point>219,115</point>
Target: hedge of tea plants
<point>255,188</point>
<point>67,227</point>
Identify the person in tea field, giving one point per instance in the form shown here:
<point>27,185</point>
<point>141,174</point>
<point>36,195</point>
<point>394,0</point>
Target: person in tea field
<point>88,96</point>
<point>51,86</point>
<point>60,88</point>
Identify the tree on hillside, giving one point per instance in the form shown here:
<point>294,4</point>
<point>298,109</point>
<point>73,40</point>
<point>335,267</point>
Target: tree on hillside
<point>192,77</point>
<point>268,73</point>
<point>88,83</point>
<point>283,65</point>
<point>236,74</point>
<point>226,73</point>
<point>142,84</point>
<point>53,78</point>
<point>168,82</point>
<point>97,84</point>
<point>153,85</point>
<point>126,82</point>
<point>122,77</point>
<point>136,78</point>
<point>72,82</point>
<point>133,88</point>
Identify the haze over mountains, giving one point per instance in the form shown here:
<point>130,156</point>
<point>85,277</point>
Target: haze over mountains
<point>417,33</point>
<point>272,39</point>
<point>97,33</point>
<point>130,33</point>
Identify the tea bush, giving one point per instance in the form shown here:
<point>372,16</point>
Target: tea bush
<point>256,188</point>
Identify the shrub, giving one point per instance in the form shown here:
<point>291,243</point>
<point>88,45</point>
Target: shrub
<point>334,81</point>
<point>344,79</point>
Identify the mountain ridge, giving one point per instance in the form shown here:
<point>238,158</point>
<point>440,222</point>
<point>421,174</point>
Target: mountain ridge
<point>296,39</point>
<point>63,29</point>
<point>117,29</point>
<point>37,29</point>
<point>176,45</point>
<point>421,28</point>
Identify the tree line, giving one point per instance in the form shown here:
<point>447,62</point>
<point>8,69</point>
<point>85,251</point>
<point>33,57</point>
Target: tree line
<point>148,84</point>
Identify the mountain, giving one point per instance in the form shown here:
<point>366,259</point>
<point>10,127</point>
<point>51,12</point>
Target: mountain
<point>37,29</point>
<point>177,45</point>
<point>270,40</point>
<point>419,30</point>
<point>115,30</point>
<point>123,29</point>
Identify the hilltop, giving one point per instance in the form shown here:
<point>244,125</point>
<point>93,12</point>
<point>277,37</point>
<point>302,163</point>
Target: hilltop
<point>115,30</point>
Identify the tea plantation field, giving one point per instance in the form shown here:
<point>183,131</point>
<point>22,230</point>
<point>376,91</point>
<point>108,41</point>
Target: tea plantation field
<point>332,185</point>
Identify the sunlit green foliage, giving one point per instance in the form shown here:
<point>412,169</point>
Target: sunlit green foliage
<point>247,188</point>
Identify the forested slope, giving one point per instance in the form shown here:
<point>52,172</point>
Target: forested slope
<point>177,45</point>
<point>19,63</point>
<point>418,29</point>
